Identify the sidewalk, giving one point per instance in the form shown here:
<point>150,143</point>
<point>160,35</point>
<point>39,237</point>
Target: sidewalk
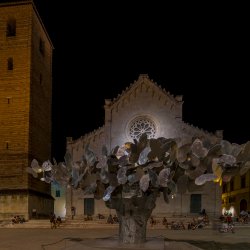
<point>107,238</point>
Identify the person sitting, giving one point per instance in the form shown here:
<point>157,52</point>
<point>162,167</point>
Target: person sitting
<point>115,219</point>
<point>243,216</point>
<point>52,220</point>
<point>110,219</point>
<point>203,212</point>
<point>14,220</point>
<point>100,216</point>
<point>164,221</point>
<point>152,221</point>
<point>58,221</point>
<point>229,219</point>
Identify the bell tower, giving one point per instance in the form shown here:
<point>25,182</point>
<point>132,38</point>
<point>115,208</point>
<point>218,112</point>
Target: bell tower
<point>25,109</point>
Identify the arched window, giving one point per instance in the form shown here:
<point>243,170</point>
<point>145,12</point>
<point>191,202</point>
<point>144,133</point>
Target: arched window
<point>11,27</point>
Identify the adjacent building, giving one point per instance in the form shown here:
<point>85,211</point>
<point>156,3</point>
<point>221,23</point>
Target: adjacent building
<point>25,109</point>
<point>236,194</point>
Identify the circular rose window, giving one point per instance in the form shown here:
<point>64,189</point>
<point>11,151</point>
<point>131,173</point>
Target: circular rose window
<point>140,126</point>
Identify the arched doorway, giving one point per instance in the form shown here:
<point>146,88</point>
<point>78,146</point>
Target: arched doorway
<point>243,205</point>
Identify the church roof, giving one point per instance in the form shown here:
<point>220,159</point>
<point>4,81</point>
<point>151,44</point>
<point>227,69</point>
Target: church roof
<point>143,78</point>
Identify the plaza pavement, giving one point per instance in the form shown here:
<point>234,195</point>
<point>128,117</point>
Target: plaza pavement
<point>104,238</point>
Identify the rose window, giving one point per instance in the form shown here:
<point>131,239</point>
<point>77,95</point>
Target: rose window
<point>140,126</point>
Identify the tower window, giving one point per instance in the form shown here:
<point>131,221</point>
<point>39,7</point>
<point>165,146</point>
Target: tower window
<point>232,184</point>
<point>10,63</point>
<point>7,145</point>
<point>41,46</point>
<point>8,100</point>
<point>11,27</point>
<point>243,181</point>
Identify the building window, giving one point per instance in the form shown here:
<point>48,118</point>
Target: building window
<point>7,145</point>
<point>224,188</point>
<point>140,126</point>
<point>232,199</point>
<point>41,46</point>
<point>232,185</point>
<point>11,27</point>
<point>195,203</point>
<point>58,193</point>
<point>8,100</point>
<point>243,181</point>
<point>10,63</point>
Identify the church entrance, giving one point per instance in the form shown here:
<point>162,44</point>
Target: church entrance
<point>195,203</point>
<point>89,206</point>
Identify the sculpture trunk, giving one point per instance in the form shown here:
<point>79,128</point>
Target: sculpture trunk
<point>133,215</point>
<point>132,229</point>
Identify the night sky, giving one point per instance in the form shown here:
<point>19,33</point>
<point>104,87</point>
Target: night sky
<point>101,49</point>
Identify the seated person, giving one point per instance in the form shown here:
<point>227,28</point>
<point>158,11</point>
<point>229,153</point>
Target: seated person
<point>110,219</point>
<point>14,220</point>
<point>58,220</point>
<point>115,219</point>
<point>203,212</point>
<point>164,221</point>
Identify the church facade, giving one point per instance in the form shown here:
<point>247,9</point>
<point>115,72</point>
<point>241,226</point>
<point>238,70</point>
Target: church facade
<point>144,107</point>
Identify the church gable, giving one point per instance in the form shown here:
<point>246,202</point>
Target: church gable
<point>147,90</point>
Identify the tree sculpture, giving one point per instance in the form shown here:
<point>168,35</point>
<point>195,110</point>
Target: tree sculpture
<point>130,178</point>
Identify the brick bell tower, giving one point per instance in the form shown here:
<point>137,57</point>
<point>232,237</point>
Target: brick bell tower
<point>25,109</point>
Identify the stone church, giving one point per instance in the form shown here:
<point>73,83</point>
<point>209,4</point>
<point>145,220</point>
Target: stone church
<point>144,107</point>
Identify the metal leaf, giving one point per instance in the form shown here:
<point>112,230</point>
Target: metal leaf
<point>226,147</point>
<point>35,166</point>
<point>217,170</point>
<point>121,175</point>
<point>143,158</point>
<point>152,165</point>
<point>144,182</point>
<point>204,178</point>
<point>47,166</point>
<point>90,156</point>
<point>31,171</point>
<point>108,192</point>
<point>182,152</point>
<point>165,193</point>
<point>90,189</point>
<point>244,168</point>
<point>244,155</point>
<point>104,150</point>
<point>227,159</point>
<point>198,149</point>
<point>132,178</point>
<point>172,186</point>
<point>102,162</point>
<point>153,178</point>
<point>164,177</point>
